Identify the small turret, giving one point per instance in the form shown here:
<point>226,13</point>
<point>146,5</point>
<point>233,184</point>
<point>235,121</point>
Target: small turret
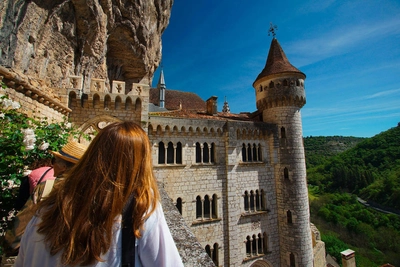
<point>279,83</point>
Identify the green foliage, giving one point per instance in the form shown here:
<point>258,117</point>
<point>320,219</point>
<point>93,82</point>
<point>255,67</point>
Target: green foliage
<point>333,245</point>
<point>374,235</point>
<point>320,148</point>
<point>369,167</point>
<point>24,141</point>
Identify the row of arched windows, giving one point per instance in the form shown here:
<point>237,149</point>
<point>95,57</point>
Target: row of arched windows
<point>256,245</point>
<point>251,153</point>
<point>213,253</point>
<point>254,201</point>
<point>205,153</point>
<point>172,154</point>
<point>207,208</point>
<point>285,82</point>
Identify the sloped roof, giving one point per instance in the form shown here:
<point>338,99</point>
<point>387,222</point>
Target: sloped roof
<point>173,99</point>
<point>193,114</point>
<point>277,62</point>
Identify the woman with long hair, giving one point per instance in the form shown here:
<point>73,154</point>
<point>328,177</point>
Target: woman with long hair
<point>80,222</point>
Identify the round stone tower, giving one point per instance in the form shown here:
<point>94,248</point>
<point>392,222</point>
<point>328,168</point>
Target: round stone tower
<point>280,96</point>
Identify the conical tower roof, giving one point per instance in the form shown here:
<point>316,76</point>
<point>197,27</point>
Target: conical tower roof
<point>277,62</point>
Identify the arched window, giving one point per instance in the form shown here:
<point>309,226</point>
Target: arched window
<point>289,216</point>
<point>128,103</point>
<point>297,82</point>
<point>72,100</point>
<point>254,245</point>
<point>170,153</point>
<point>207,207</point>
<point>283,132</point>
<point>252,200</point>
<point>286,173</point>
<point>271,84</point>
<point>208,250</point>
<point>285,82</point>
<point>248,246</point>
<point>107,101</point>
<point>292,260</point>
<point>199,208</point>
<point>261,89</point>
<point>179,205</point>
<point>161,153</point>
<point>255,153</point>
<point>96,101</point>
<point>206,153</point>
<point>179,153</point>
<point>118,102</point>
<point>246,201</point>
<point>138,104</point>
<point>198,153</point>
<point>214,256</point>
<point>214,205</point>
<point>212,153</point>
<point>244,158</point>
<point>249,155</point>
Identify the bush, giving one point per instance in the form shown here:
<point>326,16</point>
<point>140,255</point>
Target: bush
<point>24,141</point>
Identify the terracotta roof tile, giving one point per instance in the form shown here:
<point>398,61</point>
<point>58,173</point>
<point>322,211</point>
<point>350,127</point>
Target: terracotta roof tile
<point>277,61</point>
<point>173,99</point>
<point>193,114</point>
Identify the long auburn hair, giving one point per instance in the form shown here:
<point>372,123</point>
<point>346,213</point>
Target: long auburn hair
<point>79,214</point>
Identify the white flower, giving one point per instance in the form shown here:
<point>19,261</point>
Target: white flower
<point>44,146</point>
<point>29,139</point>
<point>15,105</point>
<point>68,125</point>
<point>7,103</point>
<point>26,172</point>
<point>2,115</point>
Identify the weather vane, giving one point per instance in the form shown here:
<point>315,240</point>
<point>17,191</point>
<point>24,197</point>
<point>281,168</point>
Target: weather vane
<point>272,29</point>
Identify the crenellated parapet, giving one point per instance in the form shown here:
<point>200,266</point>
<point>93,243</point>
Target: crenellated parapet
<point>280,91</point>
<point>120,102</point>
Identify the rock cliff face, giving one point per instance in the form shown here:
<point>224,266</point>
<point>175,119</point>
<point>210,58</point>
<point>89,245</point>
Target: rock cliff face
<point>48,40</point>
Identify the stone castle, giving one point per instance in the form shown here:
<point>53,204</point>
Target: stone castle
<point>238,180</point>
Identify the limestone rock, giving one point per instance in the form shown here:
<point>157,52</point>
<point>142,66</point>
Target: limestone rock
<point>49,40</point>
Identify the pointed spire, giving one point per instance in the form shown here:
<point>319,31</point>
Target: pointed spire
<point>161,80</point>
<point>161,87</point>
<point>226,108</point>
<point>277,61</point>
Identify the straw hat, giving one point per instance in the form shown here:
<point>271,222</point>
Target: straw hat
<point>72,152</point>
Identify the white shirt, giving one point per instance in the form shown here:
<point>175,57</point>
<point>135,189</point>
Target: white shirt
<point>155,248</point>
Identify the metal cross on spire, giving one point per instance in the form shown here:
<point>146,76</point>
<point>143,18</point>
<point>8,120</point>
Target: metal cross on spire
<point>272,29</point>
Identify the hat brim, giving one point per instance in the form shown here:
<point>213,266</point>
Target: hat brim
<point>64,157</point>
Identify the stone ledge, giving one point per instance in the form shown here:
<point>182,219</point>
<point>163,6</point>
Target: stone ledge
<point>22,85</point>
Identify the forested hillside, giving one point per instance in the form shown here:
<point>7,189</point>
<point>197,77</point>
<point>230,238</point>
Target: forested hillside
<point>370,169</point>
<point>340,169</point>
<point>319,148</point>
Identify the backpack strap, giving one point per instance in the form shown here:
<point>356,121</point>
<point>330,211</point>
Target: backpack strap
<point>128,236</point>
<point>43,175</point>
<point>47,188</point>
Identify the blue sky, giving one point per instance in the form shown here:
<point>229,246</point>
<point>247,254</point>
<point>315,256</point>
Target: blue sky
<point>349,50</point>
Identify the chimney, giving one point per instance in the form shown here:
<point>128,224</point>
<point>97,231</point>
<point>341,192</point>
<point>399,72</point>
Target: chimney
<point>348,258</point>
<point>212,105</point>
